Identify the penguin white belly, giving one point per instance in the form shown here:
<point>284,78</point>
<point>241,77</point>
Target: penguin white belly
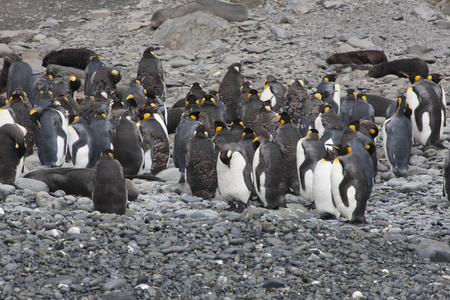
<point>337,176</point>
<point>322,195</point>
<point>300,158</point>
<point>148,160</point>
<point>441,132</point>
<point>308,188</point>
<point>422,136</point>
<point>72,137</point>
<point>19,169</point>
<point>385,138</point>
<point>61,151</point>
<point>82,157</point>
<point>337,96</point>
<point>231,180</point>
<point>268,95</point>
<point>318,125</point>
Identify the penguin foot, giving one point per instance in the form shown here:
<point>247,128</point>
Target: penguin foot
<point>241,207</point>
<point>359,220</point>
<point>327,216</point>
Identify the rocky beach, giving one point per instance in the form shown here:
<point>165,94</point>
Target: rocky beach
<point>171,245</point>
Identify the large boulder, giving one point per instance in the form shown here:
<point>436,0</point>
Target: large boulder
<point>192,32</point>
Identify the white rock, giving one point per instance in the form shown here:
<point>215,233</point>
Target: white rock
<point>357,295</point>
<point>73,230</point>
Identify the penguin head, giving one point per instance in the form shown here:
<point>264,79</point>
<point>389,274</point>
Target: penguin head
<point>100,115</point>
<point>219,125</point>
<point>270,79</point>
<point>297,83</point>
<point>350,93</point>
<point>265,106</point>
<point>284,118</point>
<point>235,67</point>
<point>361,96</point>
<point>226,153</point>
<point>313,133</point>
<point>74,83</point>
<point>248,133</point>
<point>237,123</point>
<point>246,87</point>
<point>35,117</point>
<point>191,100</point>
<point>115,75</point>
<point>354,125</point>
<point>435,77</point>
<point>196,86</point>
<point>208,99</point>
<point>256,143</point>
<point>49,74</point>
<point>149,52</point>
<point>107,154</point>
<point>341,149</point>
<point>372,128</point>
<point>20,92</point>
<point>73,118</point>
<point>201,131</point>
<point>252,93</point>
<point>195,115</point>
<point>370,147</point>
<point>331,77</point>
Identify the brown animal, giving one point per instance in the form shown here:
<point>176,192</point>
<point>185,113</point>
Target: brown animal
<point>358,57</point>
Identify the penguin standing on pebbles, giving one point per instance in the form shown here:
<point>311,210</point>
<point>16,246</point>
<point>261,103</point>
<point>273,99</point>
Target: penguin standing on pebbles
<point>323,198</point>
<point>150,72</point>
<point>398,139</point>
<point>12,151</point>
<point>428,112</point>
<point>201,174</point>
<point>269,175</point>
<point>349,185</point>
<point>109,194</point>
<point>274,91</point>
<point>310,149</point>
<point>234,176</point>
<point>81,144</point>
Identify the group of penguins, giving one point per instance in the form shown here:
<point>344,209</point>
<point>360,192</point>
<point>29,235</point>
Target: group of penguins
<point>236,142</point>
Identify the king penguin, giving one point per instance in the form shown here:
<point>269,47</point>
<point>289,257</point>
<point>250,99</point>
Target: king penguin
<point>229,89</point>
<point>81,144</point>
<point>150,72</point>
<point>428,112</point>
<point>398,139</point>
<point>234,176</point>
<point>274,91</point>
<point>127,144</point>
<point>347,104</point>
<point>12,151</point>
<point>103,134</point>
<point>268,174</point>
<point>349,185</point>
<point>310,150</point>
<point>323,198</point>
<point>95,63</point>
<point>288,135</point>
<point>51,135</point>
<point>184,132</point>
<point>109,194</point>
<point>333,88</point>
<point>201,174</point>
<point>362,110</point>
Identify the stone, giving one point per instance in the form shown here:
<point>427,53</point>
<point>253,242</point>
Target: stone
<point>23,36</point>
<point>114,284</point>
<point>425,12</point>
<point>50,22</point>
<point>248,3</point>
<point>434,250</point>
<point>360,43</point>
<point>192,32</point>
<point>43,199</point>
<point>4,49</point>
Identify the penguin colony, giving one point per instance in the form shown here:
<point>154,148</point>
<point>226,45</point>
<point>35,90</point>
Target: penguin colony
<point>237,143</point>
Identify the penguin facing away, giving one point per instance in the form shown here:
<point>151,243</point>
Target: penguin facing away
<point>109,194</point>
<point>201,174</point>
<point>398,139</point>
<point>349,185</point>
<point>333,88</point>
<point>12,151</point>
<point>234,176</point>
<point>229,89</point>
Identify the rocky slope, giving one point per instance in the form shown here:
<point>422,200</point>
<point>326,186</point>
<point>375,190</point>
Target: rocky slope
<point>171,245</point>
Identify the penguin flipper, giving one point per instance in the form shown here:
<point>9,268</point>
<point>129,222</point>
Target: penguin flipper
<point>262,166</point>
<point>77,145</point>
<point>418,113</point>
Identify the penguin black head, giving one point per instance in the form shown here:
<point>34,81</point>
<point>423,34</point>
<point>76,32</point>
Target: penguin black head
<point>150,92</point>
<point>370,147</point>
<point>265,106</point>
<point>20,92</point>
<point>350,92</point>
<point>235,67</point>
<point>297,83</point>
<point>342,149</point>
<point>237,123</point>
<point>256,143</point>
<point>313,132</point>
<point>372,128</point>
<point>107,154</point>
<point>74,83</point>
<point>253,93</point>
<point>149,52</point>
<point>72,118</point>
<point>115,75</point>
<point>100,114</point>
<point>35,117</point>
<point>195,115</point>
<point>354,125</point>
<point>51,75</point>
<point>435,77</point>
<point>196,86</point>
<point>248,134</point>
<point>331,77</point>
<point>219,125</point>
<point>191,100</point>
<point>246,87</point>
<point>208,99</point>
<point>361,96</point>
<point>284,118</point>
<point>413,78</point>
<point>201,131</point>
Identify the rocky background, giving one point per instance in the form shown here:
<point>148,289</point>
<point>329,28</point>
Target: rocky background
<point>171,245</point>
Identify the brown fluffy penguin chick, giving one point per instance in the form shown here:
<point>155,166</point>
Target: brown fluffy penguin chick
<point>201,174</point>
